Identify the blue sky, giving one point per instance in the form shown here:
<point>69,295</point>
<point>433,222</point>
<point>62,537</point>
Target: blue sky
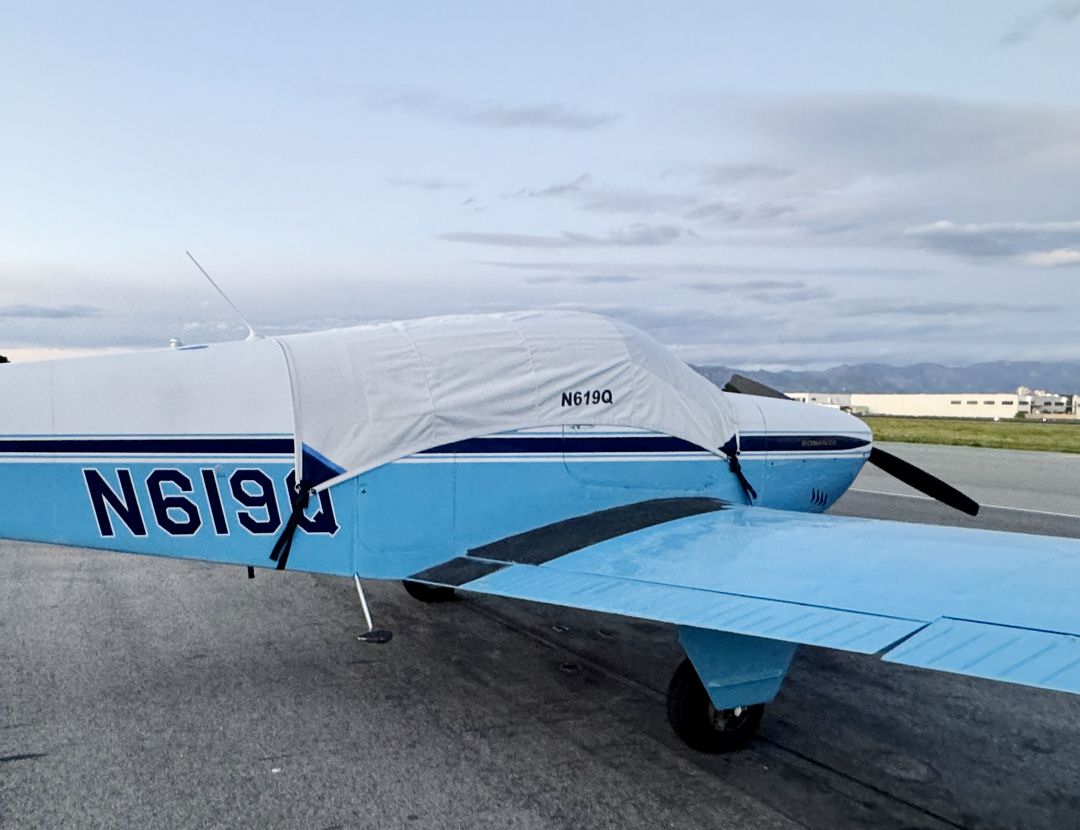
<point>763,184</point>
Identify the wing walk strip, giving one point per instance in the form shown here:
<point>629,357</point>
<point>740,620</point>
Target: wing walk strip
<point>535,547</point>
<point>519,567</point>
<point>542,544</point>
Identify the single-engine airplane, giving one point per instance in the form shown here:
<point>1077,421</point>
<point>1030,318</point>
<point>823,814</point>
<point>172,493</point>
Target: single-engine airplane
<point>556,457</point>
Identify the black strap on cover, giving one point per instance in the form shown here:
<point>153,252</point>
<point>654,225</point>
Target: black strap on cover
<point>731,450</point>
<point>283,545</point>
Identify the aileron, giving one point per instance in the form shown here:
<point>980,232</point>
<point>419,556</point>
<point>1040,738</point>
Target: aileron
<point>1033,658</point>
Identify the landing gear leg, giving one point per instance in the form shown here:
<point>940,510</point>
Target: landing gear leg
<point>373,634</point>
<point>718,693</point>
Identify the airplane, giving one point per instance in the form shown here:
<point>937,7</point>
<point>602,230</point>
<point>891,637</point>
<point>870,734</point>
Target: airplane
<point>550,456</point>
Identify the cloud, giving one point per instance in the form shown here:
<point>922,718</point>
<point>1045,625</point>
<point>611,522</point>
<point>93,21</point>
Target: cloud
<point>773,334</point>
<point>426,183</point>
<point>794,295</point>
<point>598,279</point>
<point>710,268</point>
<point>1053,259</point>
<point>583,279</point>
<point>673,325</point>
<point>1063,12</point>
<point>507,240</point>
<point>744,285</point>
<point>763,291</point>
<point>724,211</point>
<point>559,189</point>
<point>640,234</point>
<point>628,200</point>
<point>891,133</point>
<point>933,308</point>
<point>637,234</point>
<point>556,116</point>
<point>728,174</point>
<point>20,311</point>
<point>857,168</point>
<point>498,114</point>
<point>1040,244</point>
<point>611,199</point>
<point>766,212</point>
<point>894,334</point>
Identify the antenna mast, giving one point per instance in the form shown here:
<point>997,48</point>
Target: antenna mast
<point>252,334</point>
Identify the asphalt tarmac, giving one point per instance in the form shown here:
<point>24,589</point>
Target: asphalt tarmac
<point>137,692</point>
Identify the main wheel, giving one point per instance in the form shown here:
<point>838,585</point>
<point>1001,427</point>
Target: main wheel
<point>428,593</point>
<point>704,727</point>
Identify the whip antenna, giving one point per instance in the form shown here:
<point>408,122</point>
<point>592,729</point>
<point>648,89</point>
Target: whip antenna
<point>252,334</point>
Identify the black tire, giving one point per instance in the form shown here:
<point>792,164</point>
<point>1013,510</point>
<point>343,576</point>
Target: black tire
<point>429,593</point>
<point>705,728</point>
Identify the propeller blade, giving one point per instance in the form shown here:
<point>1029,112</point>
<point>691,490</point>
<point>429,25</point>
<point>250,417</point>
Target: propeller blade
<point>747,386</point>
<point>922,481</point>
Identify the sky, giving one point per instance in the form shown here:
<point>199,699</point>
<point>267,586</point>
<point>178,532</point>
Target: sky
<point>778,185</point>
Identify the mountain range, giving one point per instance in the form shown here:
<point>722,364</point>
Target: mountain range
<point>999,376</point>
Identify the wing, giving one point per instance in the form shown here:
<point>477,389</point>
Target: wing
<point>995,605</point>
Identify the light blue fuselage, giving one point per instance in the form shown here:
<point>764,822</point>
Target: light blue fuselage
<point>225,498</point>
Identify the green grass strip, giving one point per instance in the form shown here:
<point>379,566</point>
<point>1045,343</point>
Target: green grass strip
<point>1012,434</point>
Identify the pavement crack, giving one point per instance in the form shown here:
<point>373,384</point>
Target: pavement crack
<point>859,782</point>
<point>24,756</point>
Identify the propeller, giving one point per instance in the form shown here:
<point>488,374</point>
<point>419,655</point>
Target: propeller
<point>748,386</point>
<point>885,461</point>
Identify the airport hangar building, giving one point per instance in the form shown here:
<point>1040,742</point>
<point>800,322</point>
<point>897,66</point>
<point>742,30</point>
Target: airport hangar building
<point>1024,401</point>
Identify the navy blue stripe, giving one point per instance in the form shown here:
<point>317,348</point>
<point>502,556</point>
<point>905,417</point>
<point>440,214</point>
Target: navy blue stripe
<point>148,446</point>
<point>800,443</point>
<point>556,444</point>
<point>642,444</point>
<point>487,446</point>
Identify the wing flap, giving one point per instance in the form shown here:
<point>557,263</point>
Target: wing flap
<point>826,627</point>
<point>997,652</point>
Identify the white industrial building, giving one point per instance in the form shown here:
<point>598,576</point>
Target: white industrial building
<point>1024,401</point>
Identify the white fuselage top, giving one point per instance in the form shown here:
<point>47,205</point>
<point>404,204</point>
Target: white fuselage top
<point>364,396</point>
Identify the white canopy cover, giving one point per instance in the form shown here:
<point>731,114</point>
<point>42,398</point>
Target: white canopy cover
<point>369,395</point>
